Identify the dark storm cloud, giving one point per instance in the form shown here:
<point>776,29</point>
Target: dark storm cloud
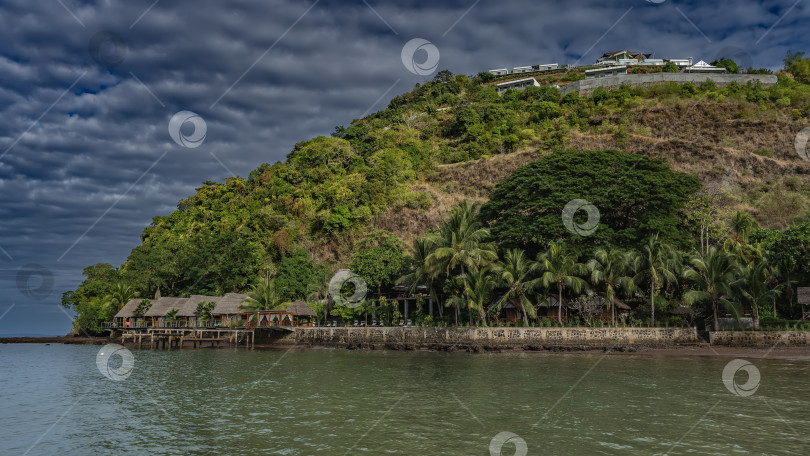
<point>109,125</point>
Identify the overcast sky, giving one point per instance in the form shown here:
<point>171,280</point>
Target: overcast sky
<point>88,89</point>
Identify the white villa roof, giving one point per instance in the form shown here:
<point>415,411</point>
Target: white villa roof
<point>518,81</point>
<point>703,66</point>
<point>606,69</point>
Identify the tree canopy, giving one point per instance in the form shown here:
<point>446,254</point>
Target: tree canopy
<point>636,197</point>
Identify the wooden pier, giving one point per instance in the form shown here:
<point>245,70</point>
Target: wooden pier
<point>179,337</point>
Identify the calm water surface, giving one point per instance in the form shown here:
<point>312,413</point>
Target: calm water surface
<point>306,402</point>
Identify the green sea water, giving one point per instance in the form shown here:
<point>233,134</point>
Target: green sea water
<point>56,401</point>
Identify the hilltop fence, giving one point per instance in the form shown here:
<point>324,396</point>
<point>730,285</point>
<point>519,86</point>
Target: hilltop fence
<point>587,86</point>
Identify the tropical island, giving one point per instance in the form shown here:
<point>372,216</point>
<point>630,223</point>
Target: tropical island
<point>666,205</point>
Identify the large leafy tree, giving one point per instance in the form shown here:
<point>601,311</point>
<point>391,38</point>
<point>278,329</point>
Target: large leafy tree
<point>380,259</point>
<point>789,251</point>
<point>296,273</point>
<point>636,196</point>
<point>93,301</point>
<point>561,270</point>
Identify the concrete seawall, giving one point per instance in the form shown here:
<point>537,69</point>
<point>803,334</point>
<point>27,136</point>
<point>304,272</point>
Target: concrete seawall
<point>414,337</point>
<point>759,338</point>
<point>587,86</point>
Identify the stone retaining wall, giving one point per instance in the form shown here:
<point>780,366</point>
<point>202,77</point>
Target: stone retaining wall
<point>517,337</point>
<point>587,86</point>
<point>759,338</point>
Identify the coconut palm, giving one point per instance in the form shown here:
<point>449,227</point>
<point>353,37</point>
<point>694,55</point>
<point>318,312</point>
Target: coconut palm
<point>480,285</point>
<point>712,276</point>
<point>263,296</point>
<point>518,274</point>
<point>142,308</point>
<point>121,293</point>
<point>421,274</point>
<point>560,268</point>
<point>204,310</point>
<point>171,314</point>
<point>654,265</point>
<point>318,290</point>
<point>461,244</point>
<point>610,269</point>
<point>755,287</point>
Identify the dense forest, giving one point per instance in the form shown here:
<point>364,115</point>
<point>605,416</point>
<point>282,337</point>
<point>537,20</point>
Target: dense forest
<point>703,204</point>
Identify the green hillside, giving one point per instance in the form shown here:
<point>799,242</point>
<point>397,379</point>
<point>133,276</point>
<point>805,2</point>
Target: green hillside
<point>453,139</point>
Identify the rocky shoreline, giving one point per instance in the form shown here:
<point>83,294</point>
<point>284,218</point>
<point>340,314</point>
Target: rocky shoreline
<point>801,352</point>
<point>79,340</point>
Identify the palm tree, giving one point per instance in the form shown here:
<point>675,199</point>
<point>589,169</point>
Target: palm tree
<point>743,225</point>
<point>422,275</point>
<point>712,276</point>
<point>461,244</point>
<point>517,274</point>
<point>171,314</point>
<point>480,285</point>
<point>755,288</point>
<point>654,265</point>
<point>609,267</point>
<point>561,268</point>
<point>263,296</point>
<point>121,293</point>
<point>142,308</point>
<point>204,310</point>
<point>318,290</point>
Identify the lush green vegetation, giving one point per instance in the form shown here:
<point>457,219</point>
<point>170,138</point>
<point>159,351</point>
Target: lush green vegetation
<point>748,272</point>
<point>636,197</point>
<point>288,225</point>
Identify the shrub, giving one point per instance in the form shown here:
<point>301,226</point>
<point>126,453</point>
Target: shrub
<point>546,110</point>
<point>670,68</point>
<point>764,152</point>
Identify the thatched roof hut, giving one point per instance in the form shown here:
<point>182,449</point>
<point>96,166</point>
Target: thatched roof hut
<point>229,304</point>
<point>128,311</point>
<point>190,307</point>
<point>164,304</point>
<point>301,309</point>
<point>620,304</point>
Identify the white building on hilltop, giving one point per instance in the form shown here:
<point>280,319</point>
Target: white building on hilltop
<point>605,72</point>
<point>525,69</point>
<point>518,84</point>
<point>629,58</point>
<point>703,67</point>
